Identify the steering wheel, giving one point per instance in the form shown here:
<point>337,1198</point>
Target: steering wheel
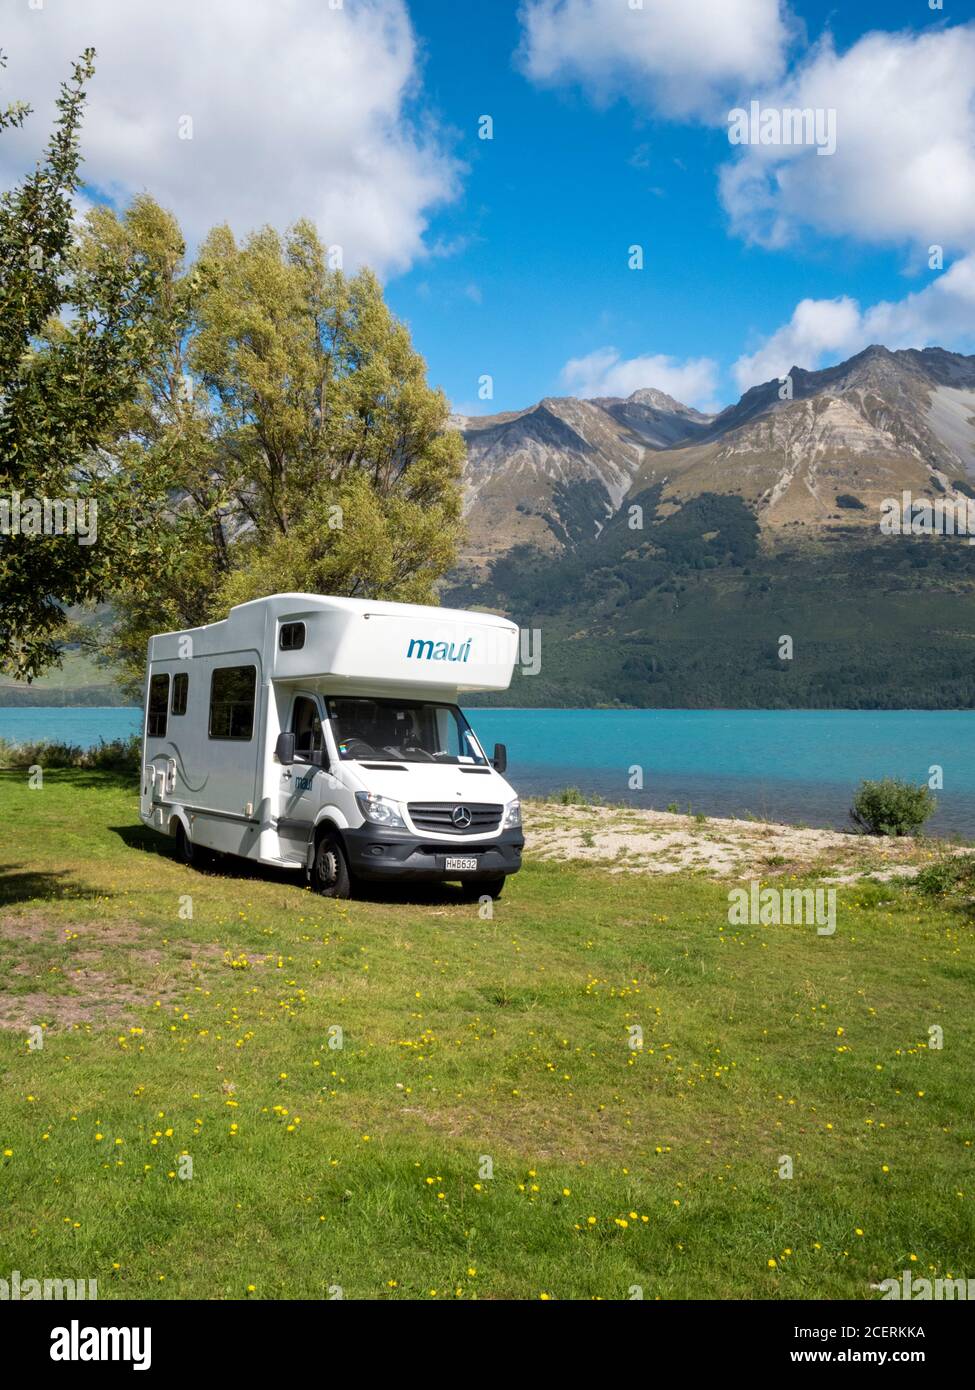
<point>413,748</point>
<point>358,748</point>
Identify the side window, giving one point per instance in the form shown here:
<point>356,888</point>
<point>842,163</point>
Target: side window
<point>306,725</point>
<point>181,686</point>
<point>158,704</point>
<point>232,702</point>
<point>292,637</point>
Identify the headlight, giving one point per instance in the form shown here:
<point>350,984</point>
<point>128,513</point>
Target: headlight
<point>512,814</point>
<point>380,810</point>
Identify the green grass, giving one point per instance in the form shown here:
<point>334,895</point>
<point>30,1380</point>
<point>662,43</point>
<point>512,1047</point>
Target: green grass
<point>359,1168</point>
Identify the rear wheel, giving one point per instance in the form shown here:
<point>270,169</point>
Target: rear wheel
<point>473,889</point>
<point>330,870</point>
<point>188,853</point>
<point>185,849</point>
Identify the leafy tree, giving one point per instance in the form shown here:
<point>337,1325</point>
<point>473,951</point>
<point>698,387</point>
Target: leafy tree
<point>73,342</point>
<point>284,436</point>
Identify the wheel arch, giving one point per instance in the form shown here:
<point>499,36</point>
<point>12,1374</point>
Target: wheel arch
<point>327,822</point>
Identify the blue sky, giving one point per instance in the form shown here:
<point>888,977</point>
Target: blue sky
<point>508,257</point>
<point>550,206</point>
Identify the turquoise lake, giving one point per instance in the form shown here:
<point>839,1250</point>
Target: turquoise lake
<point>791,765</point>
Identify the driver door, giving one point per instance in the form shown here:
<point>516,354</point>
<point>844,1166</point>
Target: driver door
<point>300,786</point>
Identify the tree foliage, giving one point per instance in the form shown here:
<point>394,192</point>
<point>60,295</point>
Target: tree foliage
<point>73,341</point>
<point>283,438</point>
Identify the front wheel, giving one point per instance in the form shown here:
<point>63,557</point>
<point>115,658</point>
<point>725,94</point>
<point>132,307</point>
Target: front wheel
<point>330,869</point>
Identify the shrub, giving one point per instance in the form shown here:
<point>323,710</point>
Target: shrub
<point>118,755</point>
<point>891,807</point>
<point>948,877</point>
<point>569,796</point>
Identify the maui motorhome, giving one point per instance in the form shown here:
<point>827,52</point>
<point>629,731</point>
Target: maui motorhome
<point>324,735</point>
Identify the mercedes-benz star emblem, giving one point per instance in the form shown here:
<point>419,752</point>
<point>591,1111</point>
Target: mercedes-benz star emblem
<point>461,817</point>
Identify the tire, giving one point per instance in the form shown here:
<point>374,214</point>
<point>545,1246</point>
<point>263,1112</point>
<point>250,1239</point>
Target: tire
<point>473,889</point>
<point>194,856</point>
<point>185,851</point>
<point>330,868</point>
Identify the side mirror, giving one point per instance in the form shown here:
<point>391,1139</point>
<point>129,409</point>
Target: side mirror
<point>500,760</point>
<point>284,749</point>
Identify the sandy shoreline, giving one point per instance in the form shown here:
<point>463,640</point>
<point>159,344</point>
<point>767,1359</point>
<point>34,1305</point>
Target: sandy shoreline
<point>627,840</point>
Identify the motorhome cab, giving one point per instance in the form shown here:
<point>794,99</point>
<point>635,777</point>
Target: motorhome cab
<point>324,735</point>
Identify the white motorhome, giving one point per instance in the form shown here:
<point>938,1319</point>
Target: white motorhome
<point>324,735</point>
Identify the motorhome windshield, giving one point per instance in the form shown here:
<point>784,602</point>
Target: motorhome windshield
<point>408,731</point>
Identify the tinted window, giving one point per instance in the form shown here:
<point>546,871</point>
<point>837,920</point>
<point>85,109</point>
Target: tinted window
<point>232,702</point>
<point>181,685</point>
<point>307,727</point>
<point>402,731</point>
<point>292,636</point>
<point>158,702</point>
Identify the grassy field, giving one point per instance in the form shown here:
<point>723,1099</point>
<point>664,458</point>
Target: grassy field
<point>189,1014</point>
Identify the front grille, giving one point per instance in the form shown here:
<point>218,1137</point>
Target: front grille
<point>437,816</point>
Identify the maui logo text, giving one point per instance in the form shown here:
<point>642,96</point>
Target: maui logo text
<point>439,651</point>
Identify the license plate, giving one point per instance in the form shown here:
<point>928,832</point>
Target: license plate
<point>461,865</point>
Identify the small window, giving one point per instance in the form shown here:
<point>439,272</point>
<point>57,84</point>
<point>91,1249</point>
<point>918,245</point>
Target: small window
<point>158,702</point>
<point>181,685</point>
<point>292,636</point>
<point>232,702</point>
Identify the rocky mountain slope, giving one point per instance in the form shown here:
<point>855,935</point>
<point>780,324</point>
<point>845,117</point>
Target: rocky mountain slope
<point>850,436</point>
<point>554,473</point>
<point>826,455</point>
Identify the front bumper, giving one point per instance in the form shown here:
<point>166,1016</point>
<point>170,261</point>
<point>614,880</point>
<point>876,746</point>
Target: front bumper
<point>378,853</point>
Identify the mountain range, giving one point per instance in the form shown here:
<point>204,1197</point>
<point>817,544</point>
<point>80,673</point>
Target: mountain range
<point>663,553</point>
<point>815,449</point>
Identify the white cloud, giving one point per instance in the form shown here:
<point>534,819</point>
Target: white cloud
<point>681,55</point>
<point>903,174</point>
<point>904,167</point>
<point>605,372</point>
<point>297,108</point>
<point>823,331</point>
<point>817,327</point>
